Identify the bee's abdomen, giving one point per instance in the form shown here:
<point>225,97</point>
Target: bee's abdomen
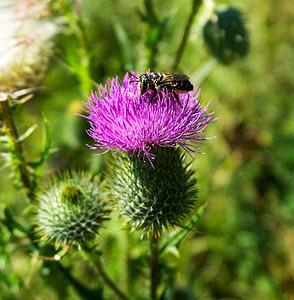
<point>182,86</point>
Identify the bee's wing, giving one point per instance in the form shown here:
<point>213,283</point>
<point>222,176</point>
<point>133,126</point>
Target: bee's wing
<point>175,77</point>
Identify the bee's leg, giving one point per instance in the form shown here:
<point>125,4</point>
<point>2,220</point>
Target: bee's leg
<point>130,76</point>
<point>177,97</point>
<point>165,91</point>
<point>153,96</point>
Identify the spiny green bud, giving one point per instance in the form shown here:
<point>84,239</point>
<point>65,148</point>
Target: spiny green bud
<point>71,210</point>
<point>226,36</point>
<point>152,198</point>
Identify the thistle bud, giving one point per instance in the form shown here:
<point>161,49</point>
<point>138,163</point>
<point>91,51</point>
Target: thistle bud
<point>154,198</point>
<point>226,36</point>
<point>71,210</point>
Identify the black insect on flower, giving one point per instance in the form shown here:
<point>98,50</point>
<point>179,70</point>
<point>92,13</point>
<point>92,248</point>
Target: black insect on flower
<point>173,83</point>
<point>120,121</point>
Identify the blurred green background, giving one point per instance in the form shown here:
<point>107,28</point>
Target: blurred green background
<point>243,245</point>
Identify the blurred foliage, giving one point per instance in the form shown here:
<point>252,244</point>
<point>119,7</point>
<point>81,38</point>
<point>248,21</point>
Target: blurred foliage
<point>243,244</point>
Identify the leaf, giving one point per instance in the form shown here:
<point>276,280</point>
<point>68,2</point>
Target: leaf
<point>38,166</point>
<point>11,223</point>
<point>125,46</point>
<point>28,133</point>
<point>4,139</point>
<point>8,162</point>
<point>176,238</point>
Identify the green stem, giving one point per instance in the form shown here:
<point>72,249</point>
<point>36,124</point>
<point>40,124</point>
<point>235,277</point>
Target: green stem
<point>83,291</point>
<point>16,150</point>
<point>94,258</point>
<point>204,70</point>
<point>154,264</point>
<point>152,35</point>
<point>81,65</point>
<point>84,73</point>
<point>195,8</point>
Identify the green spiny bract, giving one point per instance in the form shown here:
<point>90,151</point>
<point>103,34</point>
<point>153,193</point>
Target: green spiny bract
<point>226,36</point>
<point>154,198</point>
<point>71,210</point>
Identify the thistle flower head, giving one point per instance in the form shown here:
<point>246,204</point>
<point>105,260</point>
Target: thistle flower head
<point>123,120</point>
<point>71,210</point>
<point>152,196</point>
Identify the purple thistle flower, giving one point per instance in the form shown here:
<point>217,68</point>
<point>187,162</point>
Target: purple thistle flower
<point>123,120</point>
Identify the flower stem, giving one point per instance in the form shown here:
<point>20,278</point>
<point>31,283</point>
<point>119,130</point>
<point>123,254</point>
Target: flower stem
<point>84,58</point>
<point>154,264</point>
<point>195,8</point>
<point>15,147</point>
<point>152,35</point>
<point>94,258</point>
<point>204,70</point>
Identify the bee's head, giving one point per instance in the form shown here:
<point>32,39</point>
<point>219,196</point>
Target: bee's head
<point>143,83</point>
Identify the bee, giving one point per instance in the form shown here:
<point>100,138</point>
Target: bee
<point>167,83</point>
